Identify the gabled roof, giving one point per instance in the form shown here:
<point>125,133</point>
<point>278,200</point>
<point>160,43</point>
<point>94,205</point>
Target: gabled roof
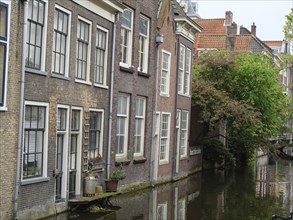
<point>180,15</point>
<point>212,26</point>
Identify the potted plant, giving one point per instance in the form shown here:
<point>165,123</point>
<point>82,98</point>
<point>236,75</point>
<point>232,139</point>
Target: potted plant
<point>118,174</point>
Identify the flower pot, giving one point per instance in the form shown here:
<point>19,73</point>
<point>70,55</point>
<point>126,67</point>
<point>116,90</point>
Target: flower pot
<point>111,185</point>
<point>90,183</point>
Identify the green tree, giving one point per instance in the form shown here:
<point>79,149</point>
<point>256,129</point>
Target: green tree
<point>243,89</point>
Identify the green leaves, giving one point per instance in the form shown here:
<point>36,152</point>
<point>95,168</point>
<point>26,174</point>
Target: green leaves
<point>244,90</point>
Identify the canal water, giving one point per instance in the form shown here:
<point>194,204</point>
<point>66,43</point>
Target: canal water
<point>254,194</point>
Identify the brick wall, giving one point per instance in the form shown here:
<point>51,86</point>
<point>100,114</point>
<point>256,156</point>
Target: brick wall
<point>9,119</point>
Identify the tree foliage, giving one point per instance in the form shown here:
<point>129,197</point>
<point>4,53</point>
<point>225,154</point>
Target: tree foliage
<point>244,90</point>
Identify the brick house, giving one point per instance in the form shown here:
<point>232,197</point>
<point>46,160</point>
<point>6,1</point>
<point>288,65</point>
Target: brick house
<point>173,159</point>
<point>68,74</point>
<point>134,91</point>
<point>10,64</point>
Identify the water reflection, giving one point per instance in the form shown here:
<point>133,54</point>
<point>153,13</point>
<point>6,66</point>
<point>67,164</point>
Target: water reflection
<point>251,194</point>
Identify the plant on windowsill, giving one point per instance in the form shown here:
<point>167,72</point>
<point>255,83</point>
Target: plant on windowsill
<point>118,174</point>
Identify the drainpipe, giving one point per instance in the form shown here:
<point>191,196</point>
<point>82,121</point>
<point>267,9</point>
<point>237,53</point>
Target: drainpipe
<point>111,98</point>
<point>154,155</point>
<point>21,107</point>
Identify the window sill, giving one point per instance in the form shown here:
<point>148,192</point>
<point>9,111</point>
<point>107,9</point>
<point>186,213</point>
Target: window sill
<point>165,95</point>
<point>101,86</point>
<point>139,159</point>
<point>34,180</point>
<point>4,109</point>
<point>122,161</point>
<point>184,157</point>
<point>83,82</point>
<point>127,69</point>
<point>55,75</point>
<point>185,95</point>
<point>163,162</point>
<point>35,71</point>
<point>143,74</point>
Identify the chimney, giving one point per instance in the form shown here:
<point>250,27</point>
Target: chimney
<point>253,29</point>
<point>228,18</point>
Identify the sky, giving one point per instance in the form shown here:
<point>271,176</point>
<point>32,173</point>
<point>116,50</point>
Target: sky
<point>268,15</point>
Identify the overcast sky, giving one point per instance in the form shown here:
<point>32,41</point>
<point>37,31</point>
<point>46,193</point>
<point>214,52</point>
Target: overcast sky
<point>268,15</point>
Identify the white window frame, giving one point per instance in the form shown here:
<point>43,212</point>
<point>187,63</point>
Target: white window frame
<point>67,52</point>
<point>167,85</point>
<point>102,128</point>
<point>164,206</point>
<point>187,75</point>
<point>183,148</point>
<point>65,149</point>
<point>129,41</point>
<point>44,177</point>
<point>104,83</point>
<point>142,131</point>
<point>166,159</point>
<point>181,69</point>
<point>126,116</point>
<point>144,39</point>
<point>5,42</point>
<point>41,70</point>
<point>88,60</point>
<point>79,148</point>
<point>184,70</point>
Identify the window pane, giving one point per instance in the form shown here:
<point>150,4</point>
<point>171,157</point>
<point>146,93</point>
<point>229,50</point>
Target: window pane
<point>126,18</point>
<point>143,26</point>
<point>75,119</point>
<point>3,21</point>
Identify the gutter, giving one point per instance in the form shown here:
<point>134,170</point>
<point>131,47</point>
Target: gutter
<point>111,99</point>
<point>21,108</point>
<point>154,155</point>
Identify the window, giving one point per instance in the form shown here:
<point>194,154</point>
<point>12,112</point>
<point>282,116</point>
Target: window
<point>181,209</point>
<point>183,134</point>
<point>36,26</point>
<point>165,76</point>
<point>122,125</point>
<point>35,140</point>
<point>143,44</point>
<point>184,69</point>
<point>165,135</point>
<point>187,72</point>
<point>61,153</point>
<point>83,49</point>
<point>181,69</point>
<point>126,37</point>
<point>162,211</point>
<point>101,56</point>
<point>139,126</point>
<point>95,134</point>
<point>3,51</point>
<point>75,152</point>
<point>61,41</point>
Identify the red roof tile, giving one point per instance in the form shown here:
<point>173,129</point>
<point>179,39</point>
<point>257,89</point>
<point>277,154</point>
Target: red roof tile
<point>212,26</point>
<point>211,42</point>
<point>273,43</point>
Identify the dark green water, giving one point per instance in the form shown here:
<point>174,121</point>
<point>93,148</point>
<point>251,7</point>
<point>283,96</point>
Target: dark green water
<point>251,194</point>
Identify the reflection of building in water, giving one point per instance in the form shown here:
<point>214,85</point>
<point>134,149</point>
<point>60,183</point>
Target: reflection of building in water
<point>272,180</point>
